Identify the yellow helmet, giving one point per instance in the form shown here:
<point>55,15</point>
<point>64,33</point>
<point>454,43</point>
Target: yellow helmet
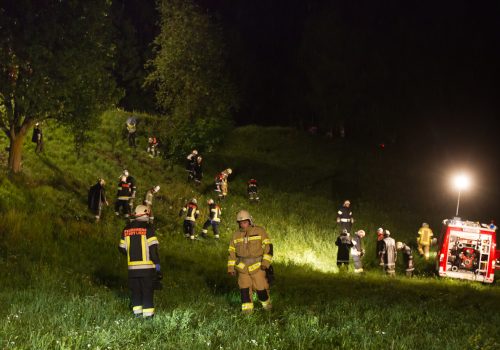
<point>244,215</point>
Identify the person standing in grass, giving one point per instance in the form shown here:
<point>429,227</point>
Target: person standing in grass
<point>190,163</point>
<point>380,245</point>
<point>148,201</point>
<point>252,190</point>
<point>38,138</point>
<point>97,198</point>
<point>250,256</point>
<point>132,131</point>
<point>345,244</point>
<point>123,197</point>
<point>389,254</point>
<point>198,171</point>
<point>344,216</point>
<point>424,240</point>
<point>357,251</point>
<point>213,219</point>
<point>133,187</point>
<point>191,213</point>
<point>139,243</point>
<point>407,258</point>
<point>221,184</point>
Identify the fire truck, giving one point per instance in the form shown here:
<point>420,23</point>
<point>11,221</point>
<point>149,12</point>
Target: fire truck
<point>467,250</point>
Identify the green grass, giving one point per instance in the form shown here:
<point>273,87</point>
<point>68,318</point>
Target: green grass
<point>63,283</point>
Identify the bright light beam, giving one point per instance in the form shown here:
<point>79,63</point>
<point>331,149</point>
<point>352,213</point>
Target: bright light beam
<point>461,182</point>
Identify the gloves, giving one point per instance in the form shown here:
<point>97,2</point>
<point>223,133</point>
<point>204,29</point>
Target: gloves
<point>157,268</point>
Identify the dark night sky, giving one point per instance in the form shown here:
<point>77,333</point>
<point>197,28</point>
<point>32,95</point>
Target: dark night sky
<point>426,73</point>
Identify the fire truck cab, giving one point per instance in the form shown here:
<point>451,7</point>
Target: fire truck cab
<point>466,250</point>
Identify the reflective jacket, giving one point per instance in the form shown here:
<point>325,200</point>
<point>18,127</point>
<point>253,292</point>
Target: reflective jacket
<point>344,214</point>
<point>139,243</point>
<point>424,236</point>
<point>389,252</point>
<point>191,212</point>
<point>124,190</point>
<point>215,212</point>
<point>249,249</point>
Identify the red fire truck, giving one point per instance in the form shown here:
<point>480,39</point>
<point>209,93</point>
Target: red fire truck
<point>467,250</point>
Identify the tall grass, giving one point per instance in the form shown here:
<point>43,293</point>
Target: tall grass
<point>63,282</point>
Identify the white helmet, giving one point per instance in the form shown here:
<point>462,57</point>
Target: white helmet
<point>380,230</point>
<point>125,172</point>
<point>141,211</point>
<point>244,215</point>
<point>210,201</point>
<point>399,245</point>
<point>195,152</point>
<point>229,171</point>
<point>387,233</point>
<point>123,178</point>
<point>156,188</point>
<point>361,233</point>
<point>194,201</point>
<point>347,202</point>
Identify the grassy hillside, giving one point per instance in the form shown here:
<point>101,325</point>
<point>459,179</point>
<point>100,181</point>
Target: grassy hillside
<point>63,282</point>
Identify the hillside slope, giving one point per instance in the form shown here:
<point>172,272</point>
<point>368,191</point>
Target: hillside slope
<point>64,283</point>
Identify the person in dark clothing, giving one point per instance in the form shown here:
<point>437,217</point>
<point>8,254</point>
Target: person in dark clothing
<point>96,198</point>
<point>380,245</point>
<point>344,243</point>
<point>139,243</point>
<point>252,190</point>
<point>198,170</point>
<point>190,212</point>
<point>344,217</point>
<point>133,187</point>
<point>407,257</point>
<point>38,138</point>
<point>123,197</point>
<point>132,131</point>
<point>190,163</point>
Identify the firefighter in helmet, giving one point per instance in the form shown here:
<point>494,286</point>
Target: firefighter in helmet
<point>380,244</point>
<point>221,185</point>
<point>148,200</point>
<point>213,219</point>
<point>191,213</point>
<point>344,243</point>
<point>252,190</point>
<point>344,216</point>
<point>424,240</point>
<point>407,257</point>
<point>139,243</point>
<point>357,251</point>
<point>250,256</point>
<point>123,197</point>
<point>190,164</point>
<point>389,254</point>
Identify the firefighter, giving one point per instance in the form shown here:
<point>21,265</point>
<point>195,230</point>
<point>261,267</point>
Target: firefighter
<point>133,188</point>
<point>389,254</point>
<point>344,216</point>
<point>191,213</point>
<point>96,198</point>
<point>424,240</point>
<point>37,138</point>
<point>139,243</point>
<point>148,200</point>
<point>190,163</point>
<point>123,197</point>
<point>380,244</point>
<point>407,257</point>
<point>357,251</point>
<point>213,219</point>
<point>221,185</point>
<point>198,171</point>
<point>153,147</point>
<point>132,131</point>
<point>250,256</point>
<point>344,243</point>
<point>252,190</point>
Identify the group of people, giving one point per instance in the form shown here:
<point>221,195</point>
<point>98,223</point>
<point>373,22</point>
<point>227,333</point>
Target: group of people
<point>190,212</point>
<point>387,248</point>
<point>125,197</point>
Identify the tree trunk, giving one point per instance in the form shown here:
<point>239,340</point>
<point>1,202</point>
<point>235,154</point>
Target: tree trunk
<point>16,152</point>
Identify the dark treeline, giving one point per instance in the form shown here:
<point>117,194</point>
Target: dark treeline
<point>378,68</point>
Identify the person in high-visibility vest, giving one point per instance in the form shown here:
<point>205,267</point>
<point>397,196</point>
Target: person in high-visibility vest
<point>191,213</point>
<point>250,257</point>
<point>213,219</point>
<point>424,240</point>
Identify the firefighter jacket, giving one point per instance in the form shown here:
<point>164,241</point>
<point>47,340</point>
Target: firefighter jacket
<point>344,243</point>
<point>131,128</point>
<point>139,243</point>
<point>133,188</point>
<point>124,190</point>
<point>190,211</point>
<point>97,196</point>
<point>389,252</point>
<point>250,249</point>
<point>357,248</point>
<point>407,258</point>
<point>149,198</point>
<point>215,212</point>
<point>424,236</point>
<point>252,186</point>
<point>344,214</point>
